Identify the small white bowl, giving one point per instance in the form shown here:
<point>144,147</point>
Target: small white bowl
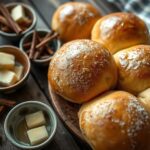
<point>42,32</point>
<point>30,11</point>
<point>23,59</point>
<point>16,115</point>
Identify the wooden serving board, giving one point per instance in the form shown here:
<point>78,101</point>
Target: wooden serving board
<point>67,111</point>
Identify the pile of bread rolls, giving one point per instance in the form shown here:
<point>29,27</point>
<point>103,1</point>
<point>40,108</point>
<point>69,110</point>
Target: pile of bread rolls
<point>107,74</point>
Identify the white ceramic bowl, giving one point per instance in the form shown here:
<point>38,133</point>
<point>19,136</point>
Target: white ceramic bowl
<point>56,43</point>
<point>16,115</point>
<point>31,13</point>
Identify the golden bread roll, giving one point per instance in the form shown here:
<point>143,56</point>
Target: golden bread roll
<point>82,69</point>
<point>120,30</point>
<point>115,121</point>
<point>133,68</point>
<point>144,98</point>
<point>74,20</point>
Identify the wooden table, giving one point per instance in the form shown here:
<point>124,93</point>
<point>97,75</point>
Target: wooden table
<point>36,86</point>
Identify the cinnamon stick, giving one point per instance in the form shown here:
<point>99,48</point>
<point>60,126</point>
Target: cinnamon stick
<point>6,102</point>
<point>38,38</point>
<point>5,29</point>
<point>4,21</point>
<point>48,34</point>
<point>47,47</point>
<point>33,45</point>
<point>46,40</point>
<point>9,19</point>
<point>40,50</point>
<point>49,50</point>
<point>2,108</point>
<point>27,45</point>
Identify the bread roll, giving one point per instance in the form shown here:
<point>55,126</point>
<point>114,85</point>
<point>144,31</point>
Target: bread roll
<point>74,20</point>
<point>115,121</point>
<point>133,68</point>
<point>82,69</point>
<point>120,30</point>
<point>144,98</point>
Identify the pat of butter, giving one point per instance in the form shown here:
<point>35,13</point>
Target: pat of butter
<point>7,61</point>
<point>37,135</point>
<point>19,71</point>
<point>7,78</point>
<point>18,13</point>
<point>35,119</point>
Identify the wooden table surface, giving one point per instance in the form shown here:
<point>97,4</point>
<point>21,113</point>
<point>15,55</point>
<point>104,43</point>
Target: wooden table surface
<point>36,86</point>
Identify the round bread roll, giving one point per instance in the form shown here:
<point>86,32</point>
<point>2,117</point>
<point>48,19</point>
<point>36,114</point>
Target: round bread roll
<point>74,20</point>
<point>133,68</point>
<point>82,69</point>
<point>144,98</point>
<point>120,30</point>
<point>115,121</point>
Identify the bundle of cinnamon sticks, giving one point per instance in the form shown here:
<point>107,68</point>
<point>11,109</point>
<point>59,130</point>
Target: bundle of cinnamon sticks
<point>5,103</point>
<point>7,24</point>
<point>39,47</point>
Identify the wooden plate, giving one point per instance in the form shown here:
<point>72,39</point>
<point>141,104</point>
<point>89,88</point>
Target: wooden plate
<point>68,112</point>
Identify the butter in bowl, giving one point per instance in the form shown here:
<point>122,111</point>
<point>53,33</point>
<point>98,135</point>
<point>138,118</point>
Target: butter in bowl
<point>10,70</point>
<point>30,125</point>
<point>14,68</point>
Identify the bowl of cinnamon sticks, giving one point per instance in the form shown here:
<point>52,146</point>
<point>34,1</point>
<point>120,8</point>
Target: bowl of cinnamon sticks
<point>16,19</point>
<point>40,45</point>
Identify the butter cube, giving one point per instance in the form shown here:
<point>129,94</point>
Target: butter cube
<point>7,61</point>
<point>18,13</point>
<point>19,71</point>
<point>35,119</point>
<point>37,135</point>
<point>7,78</point>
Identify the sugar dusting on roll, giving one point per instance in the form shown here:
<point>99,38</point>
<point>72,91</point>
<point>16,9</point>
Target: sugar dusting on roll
<point>115,120</point>
<point>74,20</point>
<point>133,68</point>
<point>121,30</point>
<point>82,69</point>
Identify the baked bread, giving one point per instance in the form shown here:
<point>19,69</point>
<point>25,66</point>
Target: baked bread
<point>121,30</point>
<point>133,68</point>
<point>115,121</point>
<point>144,98</point>
<point>74,20</point>
<point>82,69</point>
